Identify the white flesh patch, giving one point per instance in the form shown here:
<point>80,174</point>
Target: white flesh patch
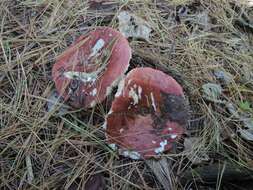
<point>121,130</point>
<point>153,100</point>
<point>93,92</point>
<point>131,154</point>
<point>162,147</point>
<point>84,77</point>
<point>139,92</point>
<point>134,96</point>
<point>120,88</point>
<point>153,142</point>
<point>110,112</point>
<point>97,47</point>
<point>173,136</point>
<point>114,84</point>
<point>93,103</point>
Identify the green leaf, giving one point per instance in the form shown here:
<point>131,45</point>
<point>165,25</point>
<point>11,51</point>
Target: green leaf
<point>245,106</point>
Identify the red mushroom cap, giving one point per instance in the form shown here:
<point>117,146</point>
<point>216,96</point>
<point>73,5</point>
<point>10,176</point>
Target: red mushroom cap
<point>148,114</point>
<point>86,72</point>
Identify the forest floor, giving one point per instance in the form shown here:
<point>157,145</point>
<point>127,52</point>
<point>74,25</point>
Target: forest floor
<point>207,46</point>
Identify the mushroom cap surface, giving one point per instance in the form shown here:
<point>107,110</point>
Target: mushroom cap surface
<point>86,72</point>
<point>149,114</point>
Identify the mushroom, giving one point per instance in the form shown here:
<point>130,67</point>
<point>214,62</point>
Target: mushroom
<point>87,71</point>
<point>148,115</point>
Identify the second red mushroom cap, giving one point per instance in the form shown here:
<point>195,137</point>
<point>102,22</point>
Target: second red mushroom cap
<point>149,114</point>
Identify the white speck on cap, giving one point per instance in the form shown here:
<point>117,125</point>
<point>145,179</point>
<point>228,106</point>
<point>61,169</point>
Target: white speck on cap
<point>134,96</point>
<point>83,76</point>
<point>153,100</point>
<point>162,147</point>
<point>93,103</point>
<point>173,136</point>
<point>129,81</point>
<point>120,88</point>
<point>121,130</point>
<point>98,46</point>
<point>93,92</point>
<point>139,92</point>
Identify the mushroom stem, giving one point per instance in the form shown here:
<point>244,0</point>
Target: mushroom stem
<point>161,169</point>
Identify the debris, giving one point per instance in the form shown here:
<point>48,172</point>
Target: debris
<point>196,157</point>
<point>95,182</point>
<point>87,71</point>
<point>247,3</point>
<point>148,115</point>
<point>210,173</point>
<point>232,110</point>
<point>200,19</point>
<point>133,26</point>
<point>246,134</point>
<point>246,75</point>
<point>203,19</point>
<point>30,175</point>
<point>212,92</point>
<point>248,122</point>
<point>223,76</point>
<point>52,102</point>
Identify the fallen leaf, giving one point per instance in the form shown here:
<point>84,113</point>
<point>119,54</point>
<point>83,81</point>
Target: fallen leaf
<point>201,18</point>
<point>133,26</point>
<point>212,92</point>
<point>223,76</point>
<point>246,134</point>
<point>232,110</point>
<point>248,122</point>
